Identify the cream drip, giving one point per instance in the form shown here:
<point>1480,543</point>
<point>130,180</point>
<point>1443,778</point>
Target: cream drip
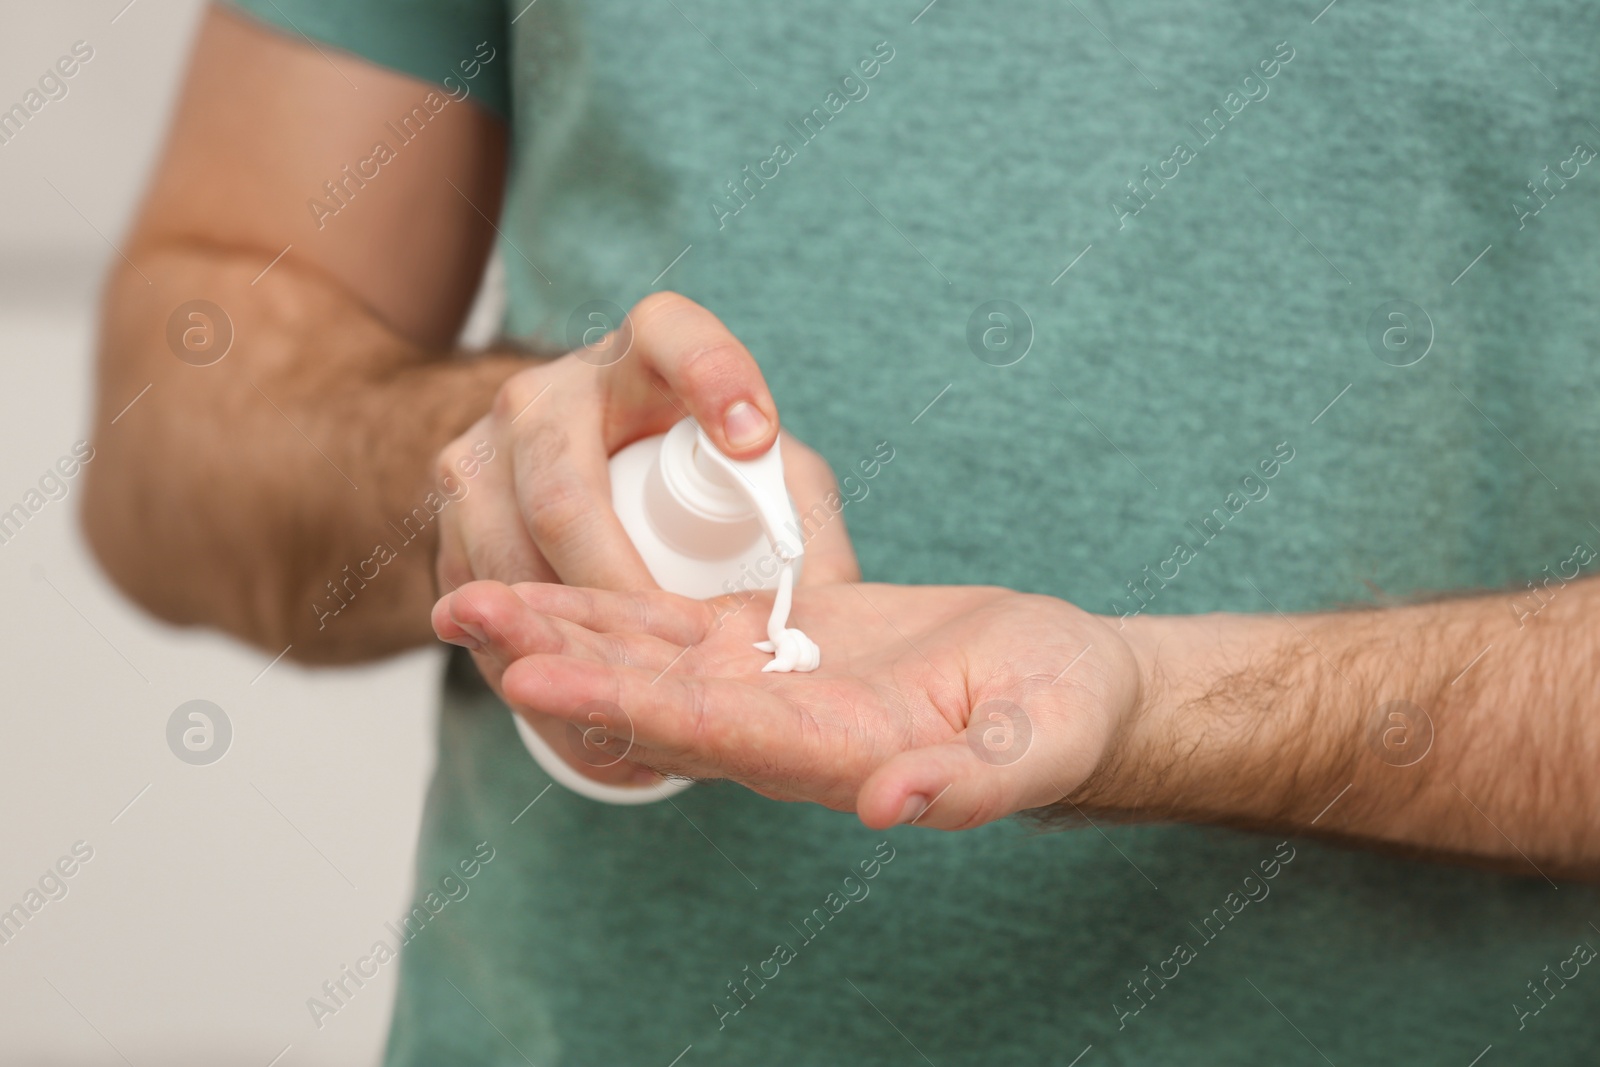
<point>791,649</point>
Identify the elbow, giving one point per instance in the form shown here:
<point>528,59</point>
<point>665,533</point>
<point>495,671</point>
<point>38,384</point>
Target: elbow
<point>178,573</point>
<point>195,573</point>
<point>120,546</point>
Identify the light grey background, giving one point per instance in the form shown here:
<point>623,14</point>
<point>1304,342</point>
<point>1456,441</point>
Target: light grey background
<point>219,897</point>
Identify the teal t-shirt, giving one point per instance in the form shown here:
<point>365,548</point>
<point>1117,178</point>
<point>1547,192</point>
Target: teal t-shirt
<point>1092,270</point>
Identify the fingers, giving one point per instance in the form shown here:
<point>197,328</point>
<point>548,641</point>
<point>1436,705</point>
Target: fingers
<point>705,366</point>
<point>696,725</point>
<point>829,555</point>
<point>561,490</point>
<point>581,749</point>
<point>483,536</point>
<point>1005,761</point>
<point>545,510</point>
<point>674,619</point>
<point>945,787</point>
<point>499,625</point>
<point>488,617</point>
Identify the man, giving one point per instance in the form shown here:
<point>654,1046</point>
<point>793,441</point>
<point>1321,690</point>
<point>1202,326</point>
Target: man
<point>1157,310</point>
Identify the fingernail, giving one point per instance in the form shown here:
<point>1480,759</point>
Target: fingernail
<point>474,632</point>
<point>744,424</point>
<point>914,806</point>
<point>466,641</point>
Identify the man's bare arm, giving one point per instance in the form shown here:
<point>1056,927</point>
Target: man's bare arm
<point>231,494</point>
<point>308,488</point>
<point>1464,730</point>
<point>1467,729</point>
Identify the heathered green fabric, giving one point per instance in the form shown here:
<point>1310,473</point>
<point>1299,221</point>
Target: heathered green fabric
<point>1187,343</point>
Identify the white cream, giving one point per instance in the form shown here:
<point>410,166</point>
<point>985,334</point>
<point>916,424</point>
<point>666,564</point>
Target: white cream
<point>791,649</point>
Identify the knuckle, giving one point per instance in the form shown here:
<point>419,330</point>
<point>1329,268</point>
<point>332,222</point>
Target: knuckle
<point>496,609</point>
<point>545,446</point>
<point>661,302</point>
<point>717,365</point>
<point>644,619</point>
<point>615,650</point>
<point>515,393</point>
<point>697,734</point>
<point>639,608</point>
<point>498,557</point>
<point>718,358</point>
<point>546,443</point>
<point>444,463</point>
<point>556,507</point>
<point>455,452</point>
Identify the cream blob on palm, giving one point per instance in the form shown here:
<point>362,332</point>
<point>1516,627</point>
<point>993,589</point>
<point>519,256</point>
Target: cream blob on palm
<point>791,650</point>
<point>705,525</point>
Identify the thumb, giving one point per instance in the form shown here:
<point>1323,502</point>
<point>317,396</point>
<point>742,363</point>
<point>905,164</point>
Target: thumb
<point>683,351</point>
<point>986,772</point>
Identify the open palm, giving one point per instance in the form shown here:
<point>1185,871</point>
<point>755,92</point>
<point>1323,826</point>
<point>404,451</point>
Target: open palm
<point>968,703</point>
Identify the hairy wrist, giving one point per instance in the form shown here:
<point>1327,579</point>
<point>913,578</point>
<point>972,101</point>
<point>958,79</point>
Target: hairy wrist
<point>366,584</point>
<point>1456,729</point>
<point>1222,730</point>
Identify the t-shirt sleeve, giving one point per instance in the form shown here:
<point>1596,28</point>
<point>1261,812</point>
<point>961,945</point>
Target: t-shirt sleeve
<point>427,39</point>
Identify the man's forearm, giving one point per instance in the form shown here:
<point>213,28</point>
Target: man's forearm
<point>254,494</point>
<point>1464,728</point>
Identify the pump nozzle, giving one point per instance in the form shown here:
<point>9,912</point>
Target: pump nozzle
<point>762,479</point>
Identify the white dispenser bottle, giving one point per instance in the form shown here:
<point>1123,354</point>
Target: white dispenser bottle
<point>705,525</point>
